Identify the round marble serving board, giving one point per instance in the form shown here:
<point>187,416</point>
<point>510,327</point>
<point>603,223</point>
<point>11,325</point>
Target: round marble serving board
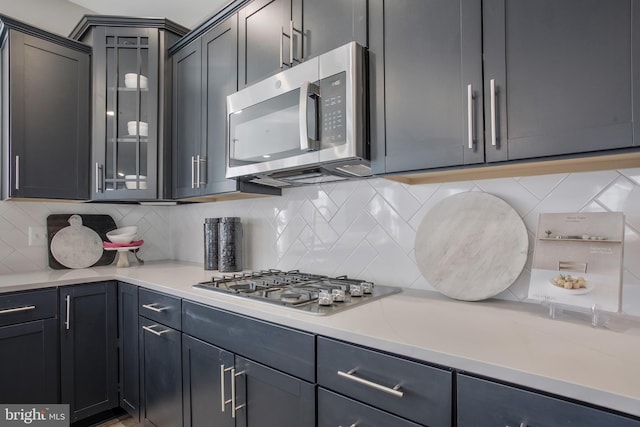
<point>471,246</point>
<point>76,246</point>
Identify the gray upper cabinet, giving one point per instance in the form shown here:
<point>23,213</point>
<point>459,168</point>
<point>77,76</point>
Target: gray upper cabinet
<point>205,71</point>
<point>275,34</point>
<point>131,106</point>
<point>466,82</point>
<point>563,76</point>
<point>45,113</point>
<point>426,84</point>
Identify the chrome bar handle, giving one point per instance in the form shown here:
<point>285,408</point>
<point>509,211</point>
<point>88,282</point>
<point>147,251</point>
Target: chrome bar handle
<point>470,114</point>
<point>17,172</point>
<point>198,161</point>
<point>18,309</point>
<point>193,179</point>
<point>99,178</point>
<point>493,111</point>
<point>67,323</point>
<point>235,408</point>
<point>395,391</point>
<point>282,35</point>
<point>153,307</point>
<point>224,402</point>
<point>153,331</point>
<point>291,42</point>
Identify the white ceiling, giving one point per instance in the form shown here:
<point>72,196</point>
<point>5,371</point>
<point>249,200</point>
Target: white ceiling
<point>188,13</point>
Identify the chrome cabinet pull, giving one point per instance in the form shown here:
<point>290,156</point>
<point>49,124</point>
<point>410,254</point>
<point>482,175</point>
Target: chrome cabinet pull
<point>67,323</point>
<point>224,402</point>
<point>282,36</point>
<point>17,309</point>
<point>153,307</point>
<point>291,58</point>
<point>193,175</point>
<point>493,111</point>
<point>470,114</point>
<point>199,161</point>
<point>292,31</point>
<point>235,408</point>
<point>395,391</point>
<point>17,172</point>
<point>99,179</point>
<point>153,331</point>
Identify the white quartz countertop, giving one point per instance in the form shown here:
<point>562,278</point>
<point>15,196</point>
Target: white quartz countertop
<point>513,342</point>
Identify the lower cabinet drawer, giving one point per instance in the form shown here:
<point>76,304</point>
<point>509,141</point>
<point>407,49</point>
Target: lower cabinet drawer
<point>411,390</point>
<point>27,306</point>
<point>483,403</point>
<point>336,410</point>
<point>160,307</point>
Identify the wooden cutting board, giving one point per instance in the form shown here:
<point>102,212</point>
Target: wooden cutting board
<point>101,224</point>
<point>471,246</point>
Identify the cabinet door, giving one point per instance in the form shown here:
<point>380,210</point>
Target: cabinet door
<point>483,403</point>
<point>88,348</point>
<point>161,378</point>
<point>269,398</point>
<point>128,349</point>
<point>426,90</point>
<point>263,48</point>
<point>203,382</point>
<point>125,129</point>
<point>49,119</point>
<point>29,362</point>
<point>329,24</point>
<point>187,118</point>
<point>563,76</point>
<point>220,71</point>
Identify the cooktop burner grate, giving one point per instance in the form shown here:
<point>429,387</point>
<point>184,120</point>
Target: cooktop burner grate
<point>311,293</point>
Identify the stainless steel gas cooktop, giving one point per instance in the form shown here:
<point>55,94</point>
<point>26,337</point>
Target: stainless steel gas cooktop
<point>310,293</point>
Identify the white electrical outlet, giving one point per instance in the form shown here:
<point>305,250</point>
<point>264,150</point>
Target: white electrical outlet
<point>37,236</point>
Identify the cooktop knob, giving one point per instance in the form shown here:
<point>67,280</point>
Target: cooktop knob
<point>356,290</point>
<point>338,295</point>
<point>367,287</point>
<point>325,297</point>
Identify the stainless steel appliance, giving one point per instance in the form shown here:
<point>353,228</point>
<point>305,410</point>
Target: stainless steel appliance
<point>304,125</point>
<point>310,293</point>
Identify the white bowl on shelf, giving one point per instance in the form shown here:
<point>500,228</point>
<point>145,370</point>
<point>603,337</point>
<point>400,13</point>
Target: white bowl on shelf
<point>123,235</point>
<point>131,81</point>
<point>132,128</point>
<point>130,184</point>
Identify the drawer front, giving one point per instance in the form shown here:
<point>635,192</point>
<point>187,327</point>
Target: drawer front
<point>418,392</point>
<point>336,410</point>
<point>162,308</point>
<point>483,403</point>
<point>27,306</point>
<point>288,350</point>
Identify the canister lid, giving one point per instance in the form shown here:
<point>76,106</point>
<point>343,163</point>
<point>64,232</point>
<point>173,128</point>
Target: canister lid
<point>211,220</point>
<point>230,219</point>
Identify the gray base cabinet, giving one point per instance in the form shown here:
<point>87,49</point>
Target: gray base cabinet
<point>45,103</point>
<point>128,354</point>
<point>161,358</point>
<point>269,389</point>
<point>419,393</point>
<point>483,403</point>
<point>29,348</point>
<point>88,348</point>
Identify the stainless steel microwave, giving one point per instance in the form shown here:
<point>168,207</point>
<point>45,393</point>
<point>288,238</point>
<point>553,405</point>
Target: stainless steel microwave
<point>303,125</point>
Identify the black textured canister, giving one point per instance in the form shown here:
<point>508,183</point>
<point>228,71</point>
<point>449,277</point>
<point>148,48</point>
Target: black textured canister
<point>230,244</point>
<point>211,243</point>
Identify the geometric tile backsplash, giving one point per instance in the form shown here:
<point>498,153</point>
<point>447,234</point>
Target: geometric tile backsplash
<point>363,228</point>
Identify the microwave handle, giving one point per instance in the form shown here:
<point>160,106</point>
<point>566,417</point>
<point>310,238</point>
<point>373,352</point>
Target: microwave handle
<point>306,89</point>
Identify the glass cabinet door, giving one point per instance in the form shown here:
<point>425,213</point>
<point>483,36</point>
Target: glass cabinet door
<point>126,164</point>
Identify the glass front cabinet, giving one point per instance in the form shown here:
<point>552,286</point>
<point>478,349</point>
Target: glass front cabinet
<point>131,109</point>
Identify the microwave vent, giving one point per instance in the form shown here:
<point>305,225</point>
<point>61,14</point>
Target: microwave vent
<point>271,182</point>
<point>356,169</point>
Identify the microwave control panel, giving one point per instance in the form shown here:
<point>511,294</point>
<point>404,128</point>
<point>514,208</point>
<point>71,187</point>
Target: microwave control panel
<point>333,109</point>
